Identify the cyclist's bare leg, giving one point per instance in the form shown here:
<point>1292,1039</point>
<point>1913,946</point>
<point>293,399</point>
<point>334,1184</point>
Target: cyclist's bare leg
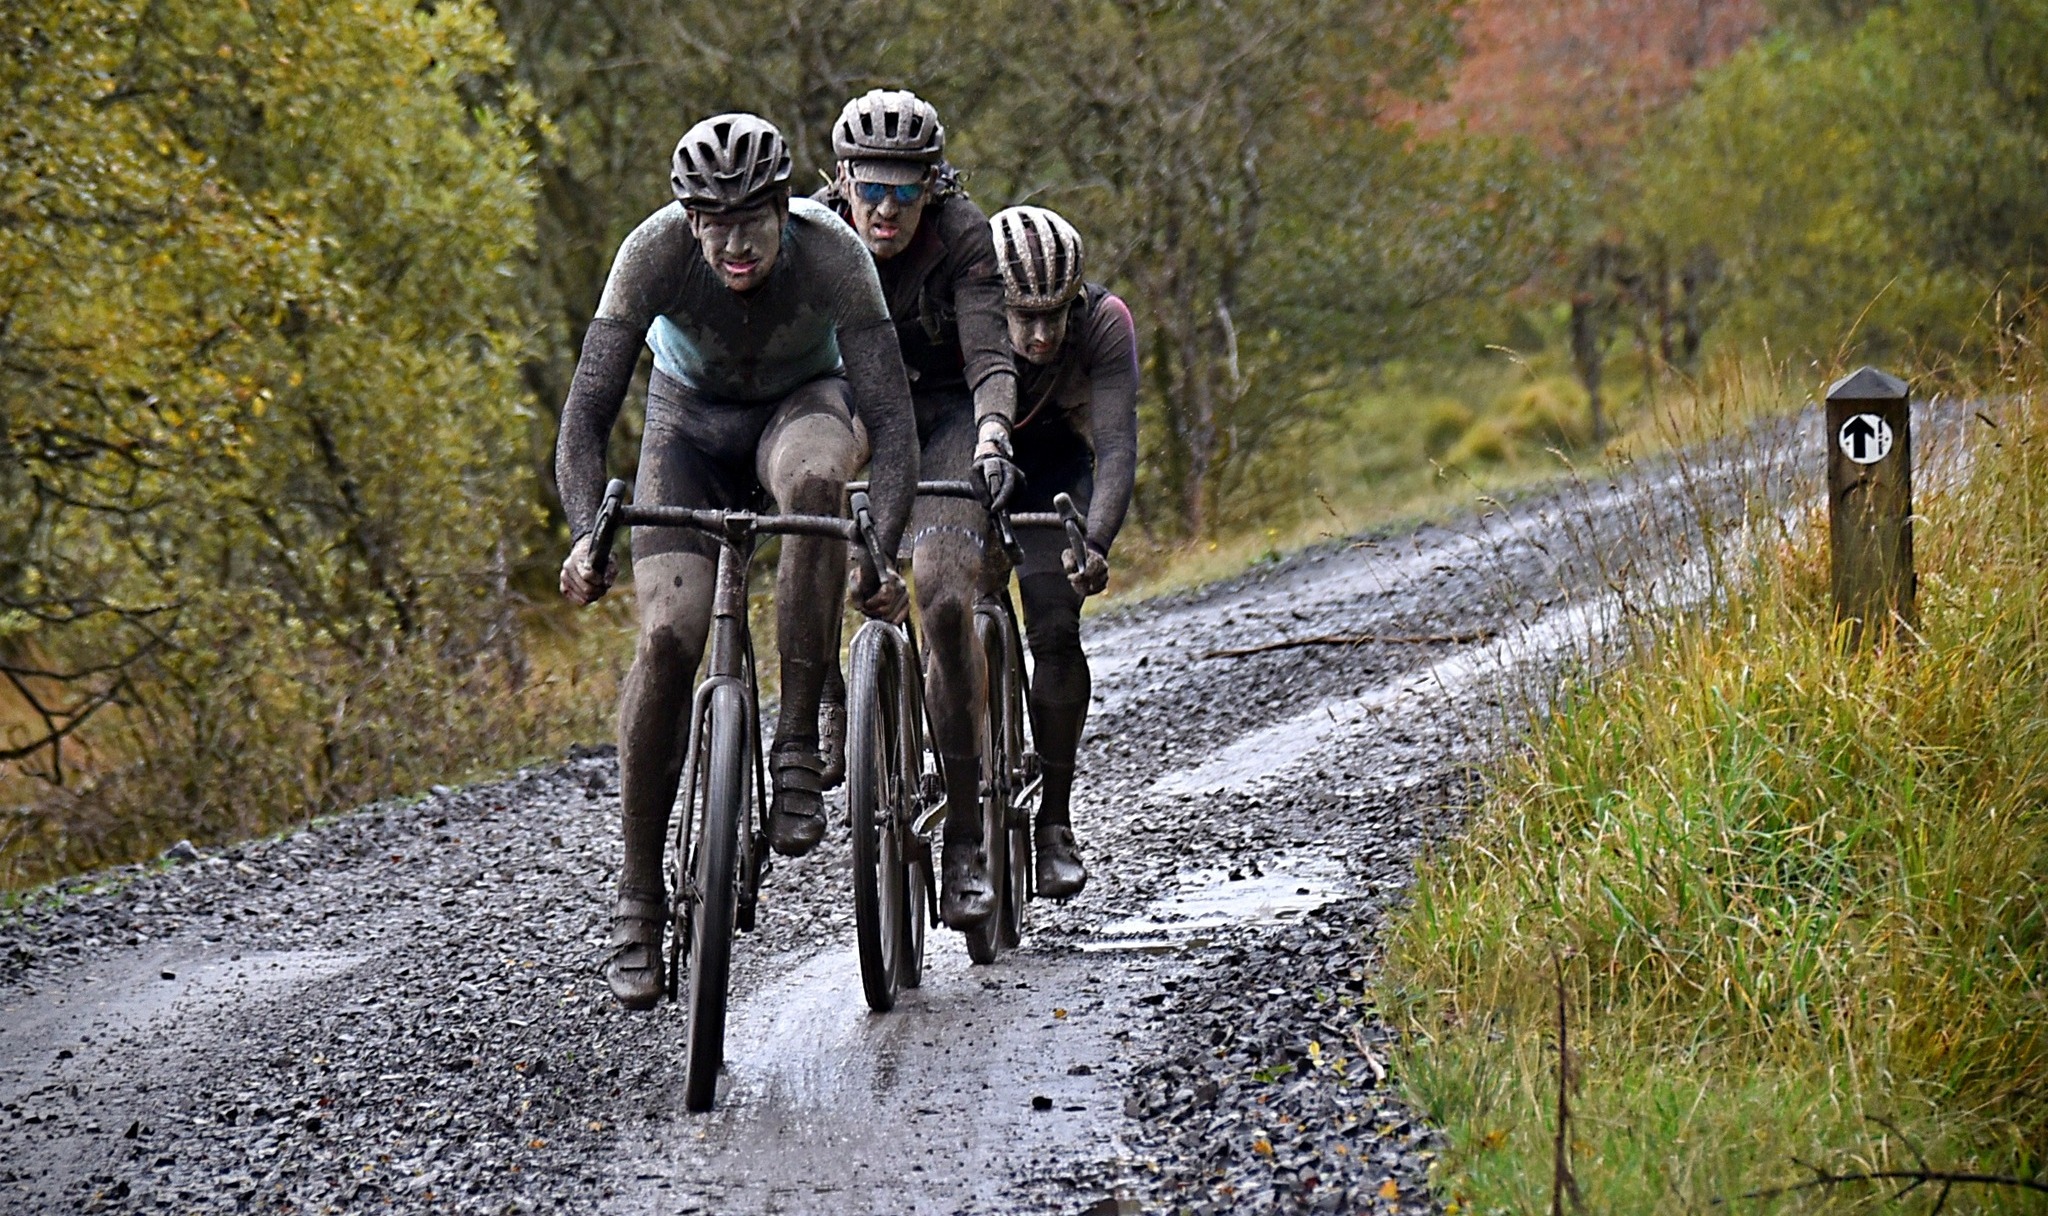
<point>810,449</point>
<point>950,566</point>
<point>1060,690</point>
<point>674,591</point>
<point>946,563</point>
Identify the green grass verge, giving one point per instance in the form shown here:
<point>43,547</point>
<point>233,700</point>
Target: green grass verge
<point>1799,896</point>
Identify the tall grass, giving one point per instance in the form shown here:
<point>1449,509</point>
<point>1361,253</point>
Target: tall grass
<point>1797,891</point>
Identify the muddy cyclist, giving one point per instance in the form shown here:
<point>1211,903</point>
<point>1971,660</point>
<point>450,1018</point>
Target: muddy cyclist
<point>775,371</point>
<point>938,271</point>
<point>1077,434</point>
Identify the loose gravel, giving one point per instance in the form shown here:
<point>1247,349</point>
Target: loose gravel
<point>400,1011</point>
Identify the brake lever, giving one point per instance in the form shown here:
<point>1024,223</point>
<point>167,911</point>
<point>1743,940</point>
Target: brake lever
<point>604,530</point>
<point>1077,536</point>
<point>871,545</point>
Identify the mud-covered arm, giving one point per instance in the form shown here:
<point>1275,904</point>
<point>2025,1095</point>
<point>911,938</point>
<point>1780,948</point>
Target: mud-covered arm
<point>881,397</point>
<point>1113,418</point>
<point>978,304</point>
<point>603,371</point>
<point>644,281</point>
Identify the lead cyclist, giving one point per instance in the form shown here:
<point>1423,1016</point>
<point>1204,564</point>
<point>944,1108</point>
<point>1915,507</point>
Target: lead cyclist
<point>1076,433</point>
<point>775,367</point>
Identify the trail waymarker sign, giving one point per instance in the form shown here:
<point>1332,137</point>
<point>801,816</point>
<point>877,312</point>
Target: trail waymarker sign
<point>1870,502</point>
<point>1865,438</point>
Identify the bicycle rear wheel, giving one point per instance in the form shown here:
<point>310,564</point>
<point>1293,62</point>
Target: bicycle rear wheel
<point>989,939</point>
<point>714,882</point>
<point>877,790</point>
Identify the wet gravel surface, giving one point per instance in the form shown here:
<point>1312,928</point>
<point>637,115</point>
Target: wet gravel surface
<point>400,1010</point>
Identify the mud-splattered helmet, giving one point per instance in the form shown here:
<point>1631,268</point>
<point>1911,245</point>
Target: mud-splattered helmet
<point>729,162</point>
<point>890,128</point>
<point>1040,256</point>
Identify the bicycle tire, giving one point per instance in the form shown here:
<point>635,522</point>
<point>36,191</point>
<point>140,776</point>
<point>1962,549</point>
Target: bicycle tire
<point>874,795</point>
<point>917,761</point>
<point>1017,848</point>
<point>985,941</point>
<point>715,872</point>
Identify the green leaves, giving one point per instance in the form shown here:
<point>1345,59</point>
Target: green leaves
<point>258,376</point>
<point>1896,168</point>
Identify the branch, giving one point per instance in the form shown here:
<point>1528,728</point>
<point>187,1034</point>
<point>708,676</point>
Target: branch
<point>1916,1177</point>
<point>1562,1182</point>
<point>1354,639</point>
<point>1921,1175</point>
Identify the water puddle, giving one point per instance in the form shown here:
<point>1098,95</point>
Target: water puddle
<point>1208,900</point>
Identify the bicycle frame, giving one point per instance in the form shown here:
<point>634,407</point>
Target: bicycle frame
<point>1065,515</point>
<point>730,660</point>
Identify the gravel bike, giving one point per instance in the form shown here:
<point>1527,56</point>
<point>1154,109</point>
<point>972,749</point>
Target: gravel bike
<point>721,850</point>
<point>895,797</point>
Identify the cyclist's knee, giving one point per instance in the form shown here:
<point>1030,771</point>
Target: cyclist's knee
<point>810,489</point>
<point>809,462</point>
<point>947,611</point>
<point>1052,616</point>
<point>674,590</point>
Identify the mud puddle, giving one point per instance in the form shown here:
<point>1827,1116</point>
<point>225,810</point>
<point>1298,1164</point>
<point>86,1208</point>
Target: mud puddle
<point>1269,892</point>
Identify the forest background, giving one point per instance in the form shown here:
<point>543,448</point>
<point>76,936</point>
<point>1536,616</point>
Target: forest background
<point>290,295</point>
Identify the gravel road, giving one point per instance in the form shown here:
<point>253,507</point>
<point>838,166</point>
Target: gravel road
<point>400,1010</point>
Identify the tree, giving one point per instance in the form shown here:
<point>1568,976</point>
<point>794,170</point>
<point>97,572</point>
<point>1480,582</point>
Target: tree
<point>1584,79</point>
<point>1237,167</point>
<point>1893,174</point>
<point>258,342</point>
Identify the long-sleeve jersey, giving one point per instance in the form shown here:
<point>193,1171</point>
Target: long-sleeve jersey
<point>1090,391</point>
<point>820,311</point>
<point>945,296</point>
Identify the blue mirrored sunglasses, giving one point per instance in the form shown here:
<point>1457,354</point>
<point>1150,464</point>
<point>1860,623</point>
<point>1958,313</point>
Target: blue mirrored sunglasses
<point>873,193</point>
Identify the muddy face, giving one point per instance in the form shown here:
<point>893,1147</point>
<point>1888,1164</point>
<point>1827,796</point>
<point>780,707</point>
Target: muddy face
<point>1038,336</point>
<point>741,246</point>
<point>884,218</point>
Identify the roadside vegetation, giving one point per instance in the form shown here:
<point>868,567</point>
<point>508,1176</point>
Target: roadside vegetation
<point>1791,892</point>
<point>1787,896</point>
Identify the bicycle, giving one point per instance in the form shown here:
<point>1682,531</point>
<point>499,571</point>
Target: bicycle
<point>895,797</point>
<point>718,886</point>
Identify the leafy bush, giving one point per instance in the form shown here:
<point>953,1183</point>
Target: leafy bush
<point>260,433</point>
<point>1443,422</point>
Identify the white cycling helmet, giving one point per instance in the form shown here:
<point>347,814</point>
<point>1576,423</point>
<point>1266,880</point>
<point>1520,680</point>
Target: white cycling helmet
<point>891,134</point>
<point>1040,256</point>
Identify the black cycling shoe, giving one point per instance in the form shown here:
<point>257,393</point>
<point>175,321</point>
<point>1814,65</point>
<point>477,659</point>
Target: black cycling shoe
<point>1061,872</point>
<point>797,823</point>
<point>633,969</point>
<point>965,900</point>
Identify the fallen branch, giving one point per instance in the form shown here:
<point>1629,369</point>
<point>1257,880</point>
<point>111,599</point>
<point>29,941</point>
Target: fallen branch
<point>1921,1175</point>
<point>1354,639</point>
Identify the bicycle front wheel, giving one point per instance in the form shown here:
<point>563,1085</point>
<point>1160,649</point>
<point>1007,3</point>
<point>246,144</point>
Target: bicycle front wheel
<point>877,794</point>
<point>714,879</point>
<point>997,764</point>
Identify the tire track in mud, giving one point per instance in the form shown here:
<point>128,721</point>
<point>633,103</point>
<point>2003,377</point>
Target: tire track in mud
<point>400,1010</point>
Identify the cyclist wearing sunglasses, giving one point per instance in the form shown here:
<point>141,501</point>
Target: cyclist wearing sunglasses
<point>775,367</point>
<point>1077,433</point>
<point>938,270</point>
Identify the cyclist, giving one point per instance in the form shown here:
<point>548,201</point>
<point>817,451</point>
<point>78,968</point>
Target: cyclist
<point>931,245</point>
<point>774,370</point>
<point>1077,433</point>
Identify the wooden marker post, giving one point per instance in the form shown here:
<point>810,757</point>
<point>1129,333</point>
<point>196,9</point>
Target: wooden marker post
<point>1870,502</point>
